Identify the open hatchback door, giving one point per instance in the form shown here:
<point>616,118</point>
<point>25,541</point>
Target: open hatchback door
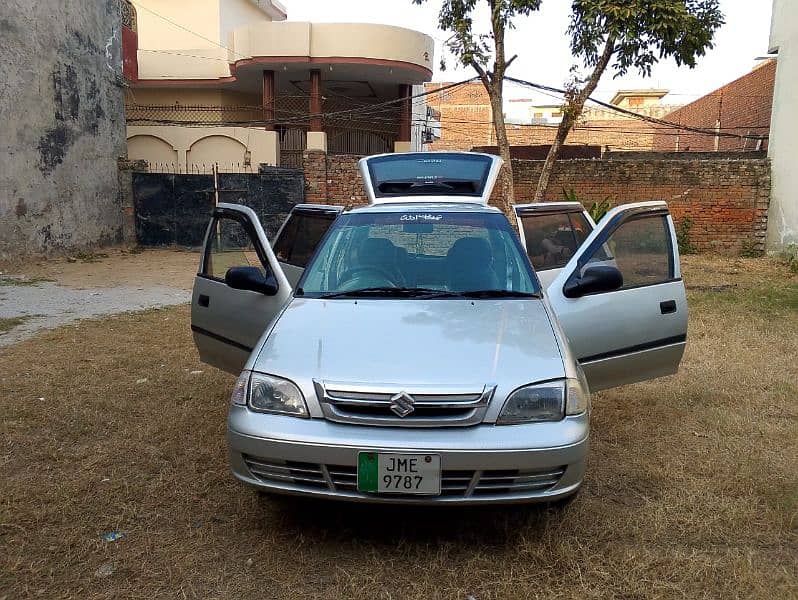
<point>620,299</point>
<point>239,288</point>
<point>551,233</point>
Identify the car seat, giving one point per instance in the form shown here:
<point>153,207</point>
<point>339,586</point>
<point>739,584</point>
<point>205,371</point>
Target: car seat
<point>469,265</point>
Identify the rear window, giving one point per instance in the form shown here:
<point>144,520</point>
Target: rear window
<point>430,175</point>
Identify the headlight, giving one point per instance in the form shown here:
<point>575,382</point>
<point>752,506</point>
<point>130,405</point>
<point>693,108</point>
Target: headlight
<point>544,402</point>
<point>266,393</point>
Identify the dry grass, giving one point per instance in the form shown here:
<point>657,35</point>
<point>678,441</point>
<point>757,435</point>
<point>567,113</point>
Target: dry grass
<point>692,488</point>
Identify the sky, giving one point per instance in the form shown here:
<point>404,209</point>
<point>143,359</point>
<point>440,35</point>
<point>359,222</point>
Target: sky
<point>541,43</point>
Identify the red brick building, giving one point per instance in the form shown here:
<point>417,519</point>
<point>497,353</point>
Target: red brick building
<point>741,107</point>
<point>466,121</point>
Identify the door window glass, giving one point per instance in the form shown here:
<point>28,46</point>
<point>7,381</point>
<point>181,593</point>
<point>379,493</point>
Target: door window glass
<point>230,245</point>
<point>641,250</point>
<point>552,238</point>
<point>300,237</point>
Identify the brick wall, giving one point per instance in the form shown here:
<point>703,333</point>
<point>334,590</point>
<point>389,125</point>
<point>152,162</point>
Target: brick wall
<point>742,107</point>
<point>332,179</point>
<point>726,199</point>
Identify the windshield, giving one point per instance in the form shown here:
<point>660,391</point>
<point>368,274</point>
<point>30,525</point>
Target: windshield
<point>429,174</point>
<point>419,254</point>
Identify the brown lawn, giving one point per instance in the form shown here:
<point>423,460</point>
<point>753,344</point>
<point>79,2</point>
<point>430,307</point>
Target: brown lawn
<point>692,489</point>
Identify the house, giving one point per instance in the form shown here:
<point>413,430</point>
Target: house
<point>234,83</point>
<point>741,108</point>
<point>466,120</point>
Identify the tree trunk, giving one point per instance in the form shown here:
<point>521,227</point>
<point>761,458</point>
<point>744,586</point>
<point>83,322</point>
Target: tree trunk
<point>505,182</point>
<point>571,113</point>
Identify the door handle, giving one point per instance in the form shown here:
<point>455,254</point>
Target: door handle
<point>203,300</point>
<point>667,307</point>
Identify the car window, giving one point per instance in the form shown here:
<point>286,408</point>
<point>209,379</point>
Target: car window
<point>552,238</point>
<point>641,249</point>
<point>230,245</point>
<point>447,251</point>
<point>300,237</point>
<point>449,174</point>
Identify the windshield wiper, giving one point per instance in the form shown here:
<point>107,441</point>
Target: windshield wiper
<point>498,294</point>
<point>424,293</point>
<point>387,292</point>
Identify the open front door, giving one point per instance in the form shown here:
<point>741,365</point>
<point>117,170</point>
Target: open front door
<point>629,330</point>
<point>551,233</point>
<point>299,236</point>
<point>227,322</point>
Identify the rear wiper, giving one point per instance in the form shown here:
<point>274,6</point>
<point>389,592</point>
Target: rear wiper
<point>498,294</point>
<point>387,292</point>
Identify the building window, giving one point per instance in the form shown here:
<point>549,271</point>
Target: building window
<point>556,114</point>
<point>636,102</point>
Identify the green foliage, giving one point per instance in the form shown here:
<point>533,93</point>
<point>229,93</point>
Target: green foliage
<point>644,31</point>
<point>570,195</point>
<point>596,210</point>
<point>789,257</point>
<point>683,236</point>
<point>472,45</point>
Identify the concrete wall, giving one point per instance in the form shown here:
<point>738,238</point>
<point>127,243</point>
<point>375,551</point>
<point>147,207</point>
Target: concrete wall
<point>726,200</point>
<point>62,125</point>
<point>191,148</point>
<point>783,217</point>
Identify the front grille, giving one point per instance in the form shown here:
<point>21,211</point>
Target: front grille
<point>431,406</point>
<point>307,475</point>
<point>454,483</point>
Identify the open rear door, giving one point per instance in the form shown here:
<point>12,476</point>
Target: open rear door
<point>300,235</point>
<point>638,330</point>
<point>551,233</point>
<point>228,322</point>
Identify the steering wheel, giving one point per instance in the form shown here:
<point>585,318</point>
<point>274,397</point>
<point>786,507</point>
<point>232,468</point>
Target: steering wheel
<point>369,274</point>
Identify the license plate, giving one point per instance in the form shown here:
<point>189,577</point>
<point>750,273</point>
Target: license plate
<point>383,473</point>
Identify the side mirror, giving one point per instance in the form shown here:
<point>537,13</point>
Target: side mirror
<point>593,280</point>
<point>252,279</point>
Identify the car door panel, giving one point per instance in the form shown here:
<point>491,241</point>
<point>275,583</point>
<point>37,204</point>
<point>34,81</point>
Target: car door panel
<point>226,322</point>
<point>535,223</point>
<point>637,332</point>
<point>300,235</point>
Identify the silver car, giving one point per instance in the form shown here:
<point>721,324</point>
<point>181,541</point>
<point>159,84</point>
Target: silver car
<point>415,350</point>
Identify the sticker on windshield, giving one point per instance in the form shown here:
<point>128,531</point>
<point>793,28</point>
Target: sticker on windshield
<point>420,217</point>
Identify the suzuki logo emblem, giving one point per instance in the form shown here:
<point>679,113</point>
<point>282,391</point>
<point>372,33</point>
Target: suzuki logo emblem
<point>402,404</point>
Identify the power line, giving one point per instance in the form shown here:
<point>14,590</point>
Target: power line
<point>635,115</point>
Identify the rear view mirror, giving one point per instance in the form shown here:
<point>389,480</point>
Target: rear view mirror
<point>593,280</point>
<point>252,279</point>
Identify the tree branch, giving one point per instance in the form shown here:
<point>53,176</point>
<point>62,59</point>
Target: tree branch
<point>571,113</point>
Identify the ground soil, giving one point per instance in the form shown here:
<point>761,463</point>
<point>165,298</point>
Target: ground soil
<point>42,294</point>
<point>113,426</point>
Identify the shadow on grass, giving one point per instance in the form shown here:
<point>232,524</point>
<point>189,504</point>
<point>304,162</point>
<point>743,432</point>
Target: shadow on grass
<point>341,521</point>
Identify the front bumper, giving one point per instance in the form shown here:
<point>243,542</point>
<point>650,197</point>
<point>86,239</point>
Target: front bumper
<point>484,464</point>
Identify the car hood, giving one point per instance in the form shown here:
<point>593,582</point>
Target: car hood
<point>508,342</point>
